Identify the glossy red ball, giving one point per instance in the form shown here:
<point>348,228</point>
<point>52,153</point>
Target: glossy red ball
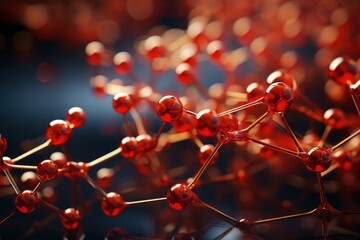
<point>207,123</point>
<point>76,117</point>
<point>47,170</point>
<point>113,204</point>
<point>26,201</point>
<point>169,109</point>
<point>59,132</point>
<point>180,197</point>
<point>278,97</point>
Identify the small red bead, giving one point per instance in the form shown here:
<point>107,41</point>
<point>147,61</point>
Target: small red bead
<point>145,143</point>
<point>104,177</point>
<point>59,159</point>
<point>70,218</point>
<point>27,201</point>
<point>215,50</point>
<point>284,77</point>
<point>76,117</point>
<point>122,103</point>
<point>113,204</point>
<point>3,161</point>
<point>29,180</point>
<point>47,170</point>
<point>343,71</point>
<point>228,123</point>
<point>59,132</point>
<point>122,62</point>
<point>255,91</point>
<point>169,109</point>
<point>3,144</point>
<point>185,74</point>
<point>184,124</point>
<point>129,147</point>
<point>188,54</point>
<point>205,152</point>
<point>76,169</point>
<point>344,158</point>
<point>240,136</point>
<point>154,47</point>
<point>335,118</point>
<point>318,159</point>
<point>207,123</point>
<point>94,52</point>
<point>278,97</point>
<point>180,197</point>
<point>98,84</point>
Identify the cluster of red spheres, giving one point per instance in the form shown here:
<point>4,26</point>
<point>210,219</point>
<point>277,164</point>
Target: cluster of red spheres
<point>238,147</point>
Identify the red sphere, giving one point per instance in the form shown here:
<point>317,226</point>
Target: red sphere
<point>76,117</point>
<point>122,103</point>
<point>122,62</point>
<point>26,201</point>
<point>59,159</point>
<point>98,84</point>
<point>76,169</point>
<point>145,143</point>
<point>154,47</point>
<point>185,123</point>
<point>3,144</point>
<point>59,132</point>
<point>47,170</point>
<point>284,77</point>
<point>343,71</point>
<point>318,159</point>
<point>228,123</point>
<point>105,177</point>
<point>180,197</point>
<point>215,50</point>
<point>94,52</point>
<point>344,158</point>
<point>3,161</point>
<point>169,109</point>
<point>207,123</point>
<point>70,218</point>
<point>355,88</point>
<point>112,204</point>
<point>335,118</point>
<point>255,91</point>
<point>128,147</point>
<point>278,97</point>
<point>184,73</point>
<point>205,152</point>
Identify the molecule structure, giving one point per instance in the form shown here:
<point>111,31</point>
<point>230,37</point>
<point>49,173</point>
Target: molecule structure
<point>242,134</point>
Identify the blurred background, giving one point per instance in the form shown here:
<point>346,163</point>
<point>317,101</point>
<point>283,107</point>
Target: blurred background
<point>44,72</point>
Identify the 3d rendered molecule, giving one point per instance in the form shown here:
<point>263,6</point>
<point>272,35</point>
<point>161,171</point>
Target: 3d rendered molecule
<point>267,151</point>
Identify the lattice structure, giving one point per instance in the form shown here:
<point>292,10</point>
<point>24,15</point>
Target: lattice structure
<point>241,134</point>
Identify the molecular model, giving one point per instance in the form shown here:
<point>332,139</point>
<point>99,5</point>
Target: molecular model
<point>267,150</point>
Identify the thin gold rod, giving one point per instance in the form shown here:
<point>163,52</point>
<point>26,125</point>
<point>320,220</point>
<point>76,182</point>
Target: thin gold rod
<point>146,201</point>
<point>34,150</point>
<point>138,122</point>
<point>12,181</point>
<point>288,128</point>
<point>332,149</point>
<point>284,150</point>
<point>283,217</point>
<point>206,164</point>
<point>104,158</point>
<point>7,216</point>
<point>242,107</point>
<point>94,185</point>
<point>257,121</point>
